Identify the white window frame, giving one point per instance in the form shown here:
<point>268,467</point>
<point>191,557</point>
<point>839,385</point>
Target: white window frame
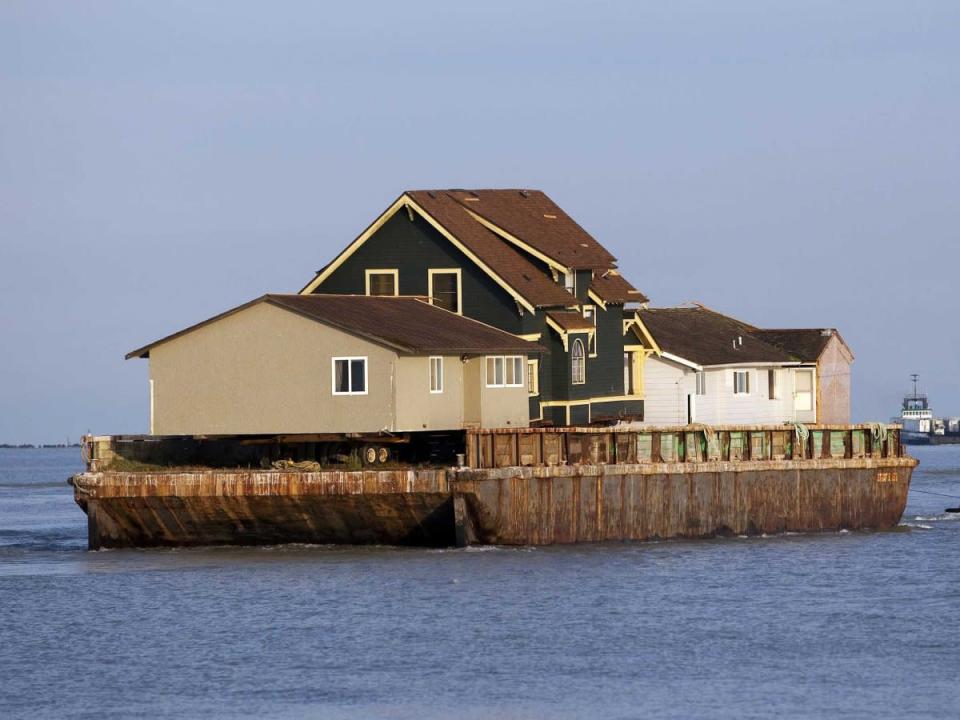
<point>701,382</point>
<point>746,375</point>
<point>516,360</point>
<point>349,360</point>
<point>581,377</point>
<point>436,361</point>
<point>773,384</point>
<point>533,377</point>
<point>382,271</point>
<point>446,271</point>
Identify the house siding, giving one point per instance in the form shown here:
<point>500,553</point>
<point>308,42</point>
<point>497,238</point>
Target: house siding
<point>668,384</point>
<point>266,370</point>
<point>833,386</point>
<point>417,407</point>
<point>498,407</point>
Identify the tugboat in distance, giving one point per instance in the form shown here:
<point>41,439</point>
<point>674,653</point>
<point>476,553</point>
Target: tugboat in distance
<point>920,427</point>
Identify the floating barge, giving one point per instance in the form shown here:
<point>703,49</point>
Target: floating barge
<point>536,486</point>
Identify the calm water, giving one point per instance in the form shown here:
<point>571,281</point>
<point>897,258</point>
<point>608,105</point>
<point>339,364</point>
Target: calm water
<point>843,624</point>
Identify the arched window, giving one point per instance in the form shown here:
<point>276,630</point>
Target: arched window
<point>578,371</point>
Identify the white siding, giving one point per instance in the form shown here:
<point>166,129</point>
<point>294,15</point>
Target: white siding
<point>667,385</point>
<point>720,406</point>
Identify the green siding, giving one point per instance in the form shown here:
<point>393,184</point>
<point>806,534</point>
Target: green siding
<point>413,247</point>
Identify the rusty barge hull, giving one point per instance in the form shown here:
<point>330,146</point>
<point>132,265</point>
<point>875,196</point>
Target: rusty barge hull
<point>516,505</point>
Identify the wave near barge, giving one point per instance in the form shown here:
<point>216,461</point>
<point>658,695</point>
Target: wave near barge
<point>518,487</point>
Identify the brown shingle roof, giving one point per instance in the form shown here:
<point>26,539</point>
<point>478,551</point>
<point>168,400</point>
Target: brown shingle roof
<point>510,264</point>
<point>706,337</point>
<point>612,287</point>
<point>408,324</point>
<point>571,320</point>
<point>534,218</point>
<point>806,344</point>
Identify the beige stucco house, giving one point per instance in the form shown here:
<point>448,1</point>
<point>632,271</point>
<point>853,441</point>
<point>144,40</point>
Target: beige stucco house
<point>294,364</point>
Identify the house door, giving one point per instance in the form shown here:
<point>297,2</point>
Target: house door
<point>690,412</point>
<point>803,391</point>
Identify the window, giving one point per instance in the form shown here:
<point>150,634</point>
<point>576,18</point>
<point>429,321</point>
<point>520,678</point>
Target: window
<point>382,282</point>
<point>436,374</point>
<point>803,397</point>
<point>578,373</point>
<point>701,383</point>
<point>590,313</point>
<point>533,377</point>
<point>445,289</point>
<point>773,392</point>
<point>504,371</point>
<point>741,382</point>
<point>629,387</point>
<point>570,282</point>
<point>349,376</point>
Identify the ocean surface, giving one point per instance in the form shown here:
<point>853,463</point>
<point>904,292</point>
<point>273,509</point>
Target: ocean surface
<point>849,624</point>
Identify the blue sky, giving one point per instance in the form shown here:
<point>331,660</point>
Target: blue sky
<point>793,164</point>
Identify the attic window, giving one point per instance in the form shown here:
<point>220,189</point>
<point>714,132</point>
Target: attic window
<point>471,199</point>
<point>550,217</point>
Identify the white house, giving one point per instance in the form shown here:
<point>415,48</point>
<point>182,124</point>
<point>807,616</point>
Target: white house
<point>715,369</point>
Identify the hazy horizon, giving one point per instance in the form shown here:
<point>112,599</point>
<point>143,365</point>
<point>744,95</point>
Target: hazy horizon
<point>791,166</point>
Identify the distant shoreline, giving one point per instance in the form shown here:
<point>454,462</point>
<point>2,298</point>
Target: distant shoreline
<point>30,446</point>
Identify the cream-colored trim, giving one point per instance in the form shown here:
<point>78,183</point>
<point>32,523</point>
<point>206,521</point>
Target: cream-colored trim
<point>533,372</point>
<point>446,271</point>
<point>355,245</point>
<point>570,403</point>
<point>479,263</point>
<point>635,321</point>
<point>596,298</point>
<point>560,331</point>
<point>530,337</point>
<point>638,356</point>
<point>151,406</point>
<point>592,341</point>
<point>382,271</point>
<point>517,241</point>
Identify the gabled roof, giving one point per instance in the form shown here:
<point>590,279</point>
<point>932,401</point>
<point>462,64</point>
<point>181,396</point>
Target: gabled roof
<point>806,344</point>
<point>612,287</point>
<point>504,259</point>
<point>506,233</point>
<point>705,337</point>
<point>571,321</point>
<point>407,324</point>
<point>535,220</point>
